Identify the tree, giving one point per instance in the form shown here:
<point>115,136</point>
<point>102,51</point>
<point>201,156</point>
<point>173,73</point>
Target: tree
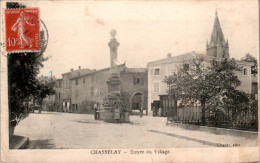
<point>233,101</point>
<point>45,87</point>
<point>196,82</point>
<point>23,83</point>
<point>250,58</point>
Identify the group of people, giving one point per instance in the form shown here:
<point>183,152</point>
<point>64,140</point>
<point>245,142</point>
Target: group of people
<point>96,108</point>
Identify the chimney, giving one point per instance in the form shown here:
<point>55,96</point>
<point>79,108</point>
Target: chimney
<point>79,67</point>
<point>169,55</point>
<point>71,69</point>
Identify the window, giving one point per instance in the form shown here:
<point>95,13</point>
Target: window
<point>245,71</point>
<point>156,87</point>
<point>59,84</point>
<point>138,81</point>
<point>157,71</point>
<point>76,82</point>
<point>59,95</point>
<point>84,80</point>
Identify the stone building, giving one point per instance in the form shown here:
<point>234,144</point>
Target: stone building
<point>54,102</point>
<point>217,49</point>
<point>66,87</point>
<point>89,88</point>
<point>58,95</point>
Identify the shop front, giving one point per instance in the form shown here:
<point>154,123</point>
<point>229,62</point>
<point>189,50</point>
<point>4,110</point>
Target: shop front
<point>66,105</point>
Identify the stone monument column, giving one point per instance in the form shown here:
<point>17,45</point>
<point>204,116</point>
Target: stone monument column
<point>113,45</point>
<point>112,108</point>
<point>113,81</point>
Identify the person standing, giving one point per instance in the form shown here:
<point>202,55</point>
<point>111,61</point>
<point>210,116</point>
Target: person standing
<point>98,112</point>
<point>95,110</point>
<point>141,112</point>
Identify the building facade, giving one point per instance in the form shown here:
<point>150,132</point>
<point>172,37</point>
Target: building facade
<point>58,95</point>
<point>66,87</point>
<point>90,88</point>
<point>217,49</point>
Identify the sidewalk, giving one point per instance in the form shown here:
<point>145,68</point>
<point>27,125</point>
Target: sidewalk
<point>204,137</point>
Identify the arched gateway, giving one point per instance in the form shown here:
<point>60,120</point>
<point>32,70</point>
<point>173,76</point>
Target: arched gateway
<point>137,100</point>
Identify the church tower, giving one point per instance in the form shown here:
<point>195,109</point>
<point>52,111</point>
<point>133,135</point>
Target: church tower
<point>217,47</point>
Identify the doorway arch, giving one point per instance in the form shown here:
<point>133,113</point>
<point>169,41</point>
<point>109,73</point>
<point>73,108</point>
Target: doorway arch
<point>136,101</point>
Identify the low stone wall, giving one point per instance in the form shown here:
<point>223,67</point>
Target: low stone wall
<point>219,131</point>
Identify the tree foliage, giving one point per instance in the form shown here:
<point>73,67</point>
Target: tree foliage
<point>45,87</point>
<point>198,82</point>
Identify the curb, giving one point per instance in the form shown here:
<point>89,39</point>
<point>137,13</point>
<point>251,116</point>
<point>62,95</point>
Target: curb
<point>187,138</point>
<point>18,142</point>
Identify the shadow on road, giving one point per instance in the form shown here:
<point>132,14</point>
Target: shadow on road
<point>92,122</point>
<point>49,112</point>
<point>41,144</point>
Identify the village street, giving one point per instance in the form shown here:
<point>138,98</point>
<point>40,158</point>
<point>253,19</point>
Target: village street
<point>55,130</point>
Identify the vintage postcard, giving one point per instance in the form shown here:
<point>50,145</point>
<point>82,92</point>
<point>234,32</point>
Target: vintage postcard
<point>129,81</point>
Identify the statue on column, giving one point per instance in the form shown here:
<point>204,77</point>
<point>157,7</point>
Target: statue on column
<point>113,45</point>
<point>114,79</point>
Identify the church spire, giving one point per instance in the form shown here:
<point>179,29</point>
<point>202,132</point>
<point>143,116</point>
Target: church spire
<point>217,46</point>
<point>217,34</point>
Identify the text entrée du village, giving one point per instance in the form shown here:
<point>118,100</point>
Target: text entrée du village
<point>134,152</point>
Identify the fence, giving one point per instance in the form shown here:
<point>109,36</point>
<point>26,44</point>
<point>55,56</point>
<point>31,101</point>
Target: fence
<point>241,117</point>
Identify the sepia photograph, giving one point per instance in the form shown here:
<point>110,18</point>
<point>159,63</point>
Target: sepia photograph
<point>126,81</point>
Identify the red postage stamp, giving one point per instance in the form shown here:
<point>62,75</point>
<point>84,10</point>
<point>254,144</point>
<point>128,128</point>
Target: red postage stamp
<point>22,30</point>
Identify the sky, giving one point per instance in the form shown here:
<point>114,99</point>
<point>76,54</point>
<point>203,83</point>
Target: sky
<point>79,31</point>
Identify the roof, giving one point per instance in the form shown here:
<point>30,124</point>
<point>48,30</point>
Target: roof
<point>79,72</point>
<point>178,58</point>
<point>94,71</point>
<point>189,56</point>
<point>136,70</point>
<point>85,70</point>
